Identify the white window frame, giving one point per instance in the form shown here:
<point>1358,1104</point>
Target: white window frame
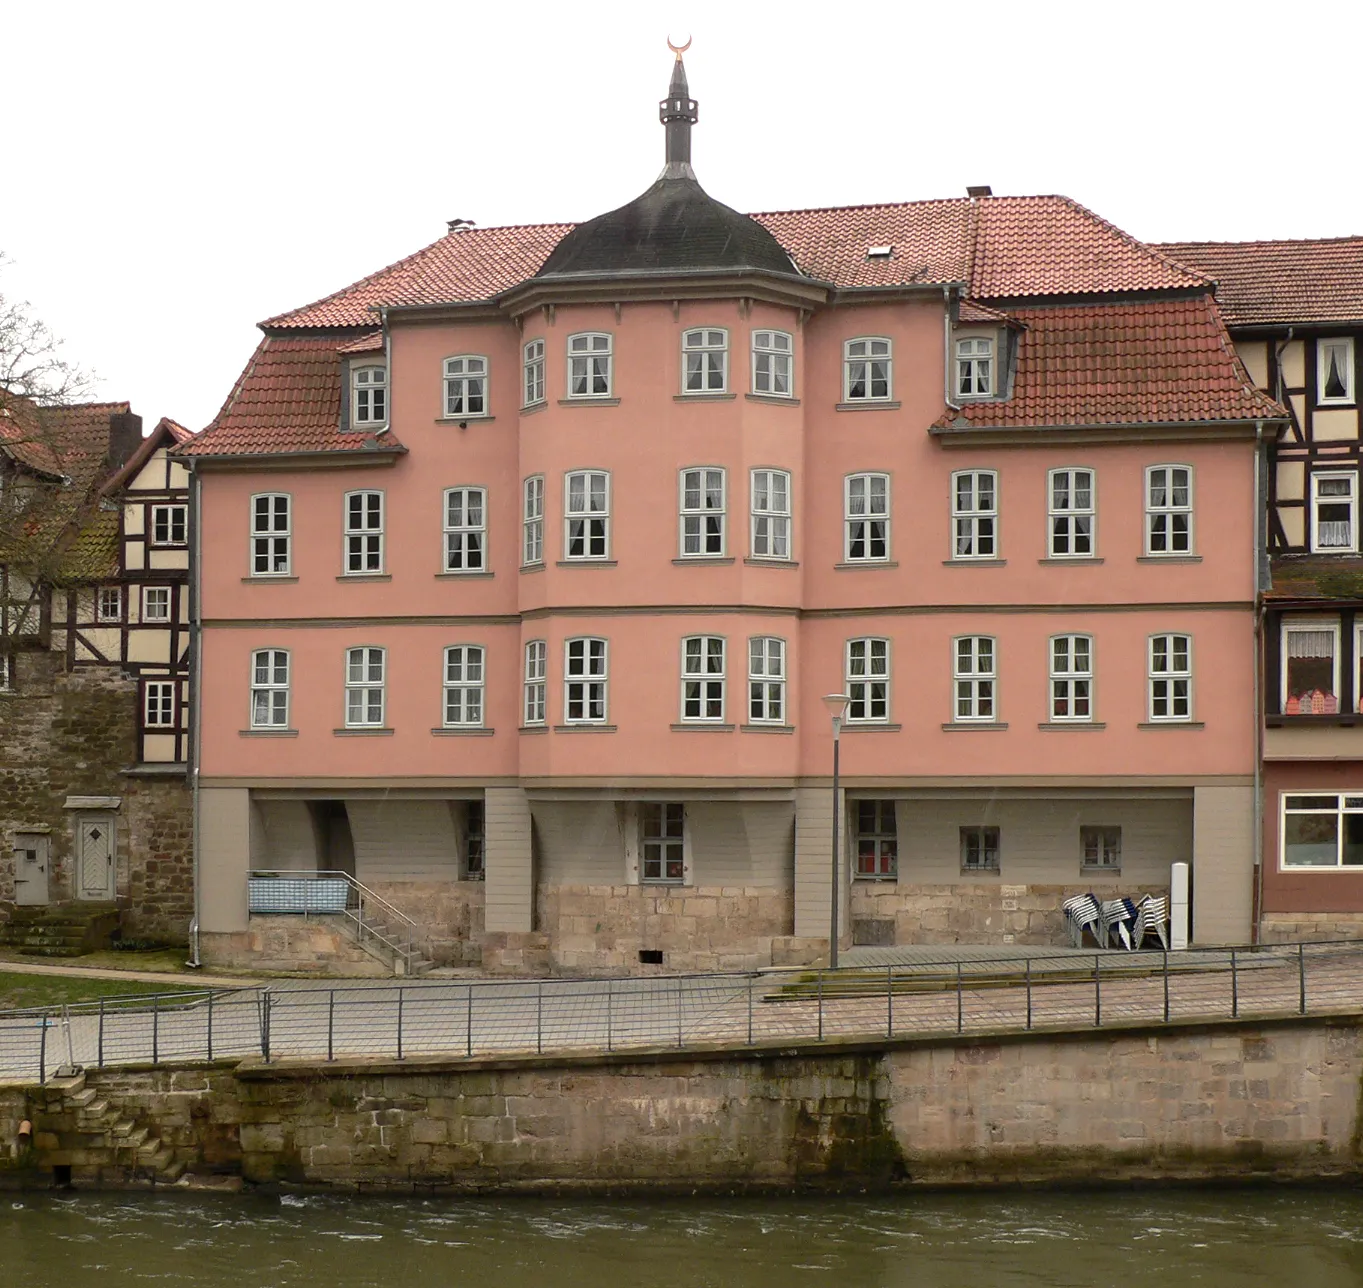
<point>266,684</point>
<point>1341,808</point>
<point>102,613</point>
<point>596,361</point>
<point>587,516</point>
<point>974,679</point>
<point>1071,675</point>
<point>363,544</point>
<point>466,540</point>
<point>664,840</point>
<point>271,544</point>
<point>148,592</point>
<point>171,512</point>
<point>532,520</point>
<point>773,363</point>
<point>769,526</point>
<point>711,360</point>
<point>532,373</point>
<point>467,384</point>
<point>464,686</point>
<point>867,351</point>
<point>1169,676</point>
<point>582,673</point>
<point>1318,477</point>
<point>535,682</point>
<point>866,669</point>
<point>1323,348</point>
<point>884,828</point>
<point>704,667</point>
<point>974,526</point>
<point>766,680</point>
<point>861,518</point>
<point>699,523</point>
<point>1301,625</point>
<point>6,673</point>
<point>1067,519</point>
<point>369,395</point>
<point>1169,511</point>
<point>975,367</point>
<point>360,692</point>
<point>161,695</point>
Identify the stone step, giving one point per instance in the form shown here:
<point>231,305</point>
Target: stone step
<point>151,1149</point>
<point>171,1174</point>
<point>83,1098</point>
<point>123,1128</point>
<point>91,1108</point>
<point>135,1139</point>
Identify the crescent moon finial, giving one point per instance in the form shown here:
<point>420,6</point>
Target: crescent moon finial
<point>679,50</point>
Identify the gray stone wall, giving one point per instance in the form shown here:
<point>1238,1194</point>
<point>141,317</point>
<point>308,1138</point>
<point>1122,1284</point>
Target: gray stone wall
<point>1310,927</point>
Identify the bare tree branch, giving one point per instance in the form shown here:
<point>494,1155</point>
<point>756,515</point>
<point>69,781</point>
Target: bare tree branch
<point>31,361</point>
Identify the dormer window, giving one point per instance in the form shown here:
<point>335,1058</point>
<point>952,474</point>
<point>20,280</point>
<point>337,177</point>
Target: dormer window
<point>705,360</point>
<point>369,396</point>
<point>975,368</point>
<point>589,366</point>
<point>1335,371</point>
<point>866,370</point>
<point>466,386</point>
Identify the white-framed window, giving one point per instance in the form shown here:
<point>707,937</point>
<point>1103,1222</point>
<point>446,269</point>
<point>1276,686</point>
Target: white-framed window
<point>589,365</point>
<point>868,680</point>
<point>1100,847</point>
<point>1169,510</point>
<point>1171,677</point>
<point>766,680</point>
<point>158,704</point>
<point>363,532</point>
<point>1322,830</point>
<point>975,677</point>
<point>170,525</point>
<point>705,360</point>
<point>974,514</point>
<point>463,686</point>
<point>773,362</point>
<point>702,512</point>
<point>1071,678</point>
<point>702,678</point>
<point>532,370</point>
<point>6,673</point>
<point>866,370</point>
<point>585,676</point>
<point>532,520</point>
<point>1335,371</point>
<point>368,395</point>
<point>536,678</point>
<point>465,529</point>
<point>1072,509</point>
<point>975,368</point>
<point>1334,511</point>
<point>156,603</point>
<point>270,688</point>
<point>271,529</point>
<point>866,515</point>
<point>979,849</point>
<point>770,514</point>
<point>109,604</point>
<point>1310,667</point>
<point>662,843</point>
<point>587,515</point>
<point>466,385</point>
<point>877,838</point>
<point>364,687</point>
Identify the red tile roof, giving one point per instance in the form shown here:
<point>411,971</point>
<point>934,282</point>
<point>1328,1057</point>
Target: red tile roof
<point>371,343</point>
<point>1147,362</point>
<point>972,312</point>
<point>1268,283</point>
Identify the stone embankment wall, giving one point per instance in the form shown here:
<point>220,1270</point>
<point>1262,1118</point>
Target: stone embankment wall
<point>1310,927</point>
<point>1227,1101</point>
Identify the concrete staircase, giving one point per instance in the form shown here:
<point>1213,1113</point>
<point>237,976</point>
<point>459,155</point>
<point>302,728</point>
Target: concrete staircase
<point>64,930</point>
<point>84,1136</point>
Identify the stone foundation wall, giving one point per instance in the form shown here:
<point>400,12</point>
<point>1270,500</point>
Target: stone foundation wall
<point>1310,927</point>
<point>160,890</point>
<point>449,913</point>
<point>293,945</point>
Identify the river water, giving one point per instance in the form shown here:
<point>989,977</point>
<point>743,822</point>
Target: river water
<point>1297,1238</point>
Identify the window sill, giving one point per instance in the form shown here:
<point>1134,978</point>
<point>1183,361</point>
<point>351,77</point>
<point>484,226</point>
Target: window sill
<point>375,732</point>
<point>533,567</point>
<point>587,401</point>
<point>267,733</point>
<point>464,420</point>
<point>1099,870</point>
<point>1071,726</point>
<point>703,397</point>
<point>531,408</point>
<point>989,562</point>
<point>1171,724</point>
<point>533,729</point>
<point>1278,720</point>
<point>584,728</point>
<point>868,404</point>
<point>167,545</point>
<point>585,563</point>
<point>266,578</point>
<point>974,726</point>
<point>780,400</point>
<point>1070,559</point>
<point>766,728</point>
<point>979,872</point>
<point>479,731</point>
<point>869,726</point>
<point>874,878</point>
<point>702,726</point>
<point>865,565</point>
<point>757,561</point>
<point>365,576</point>
<point>1169,559</point>
<point>704,561</point>
<point>456,574</point>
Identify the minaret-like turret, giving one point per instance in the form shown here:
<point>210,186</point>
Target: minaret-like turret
<point>678,113</point>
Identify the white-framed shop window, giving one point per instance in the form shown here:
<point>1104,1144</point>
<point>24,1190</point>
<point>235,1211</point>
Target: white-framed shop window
<point>270,688</point>
<point>975,514</point>
<point>465,529</point>
<point>1322,831</point>
<point>702,512</point>
<point>705,360</point>
<point>1072,511</point>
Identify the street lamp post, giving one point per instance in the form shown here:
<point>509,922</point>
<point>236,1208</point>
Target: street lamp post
<point>836,704</point>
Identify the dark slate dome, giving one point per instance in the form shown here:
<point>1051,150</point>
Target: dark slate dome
<point>674,227</point>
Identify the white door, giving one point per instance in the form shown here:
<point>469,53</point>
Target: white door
<point>30,868</point>
<point>95,858</point>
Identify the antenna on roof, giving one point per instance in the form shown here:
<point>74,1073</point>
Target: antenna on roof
<point>455,224</point>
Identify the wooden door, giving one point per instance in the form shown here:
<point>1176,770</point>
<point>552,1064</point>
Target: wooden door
<point>30,868</point>
<point>95,858</point>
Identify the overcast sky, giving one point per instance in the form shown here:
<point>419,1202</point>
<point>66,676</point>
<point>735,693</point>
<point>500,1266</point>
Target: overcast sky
<point>188,169</point>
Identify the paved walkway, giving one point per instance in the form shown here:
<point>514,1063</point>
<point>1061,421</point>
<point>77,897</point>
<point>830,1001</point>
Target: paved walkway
<point>185,980</point>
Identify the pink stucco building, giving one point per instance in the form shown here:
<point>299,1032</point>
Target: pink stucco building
<point>524,564</point>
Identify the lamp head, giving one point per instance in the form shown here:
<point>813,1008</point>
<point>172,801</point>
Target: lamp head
<point>836,704</point>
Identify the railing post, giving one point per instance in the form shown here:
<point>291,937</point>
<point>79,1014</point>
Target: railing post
<point>265,1025</point>
<point>1301,977</point>
<point>1166,986</point>
<point>751,980</point>
<point>889,1001</point>
<point>1234,988</point>
<point>610,995</point>
<point>1029,995</point>
<point>681,1041</point>
<point>156,1028</point>
<point>1097,992</point>
<point>539,1017</point>
<point>400,993</point>
<point>99,1044</point>
<point>821,1006</point>
<point>331,1025</point>
<point>960,1001</point>
<point>468,1021</point>
<point>42,1052</point>
<point>210,1024</point>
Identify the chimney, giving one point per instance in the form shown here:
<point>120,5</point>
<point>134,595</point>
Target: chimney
<point>125,436</point>
<point>979,190</point>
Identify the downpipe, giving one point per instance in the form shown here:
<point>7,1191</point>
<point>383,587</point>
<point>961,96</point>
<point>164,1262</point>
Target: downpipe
<point>195,701</point>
